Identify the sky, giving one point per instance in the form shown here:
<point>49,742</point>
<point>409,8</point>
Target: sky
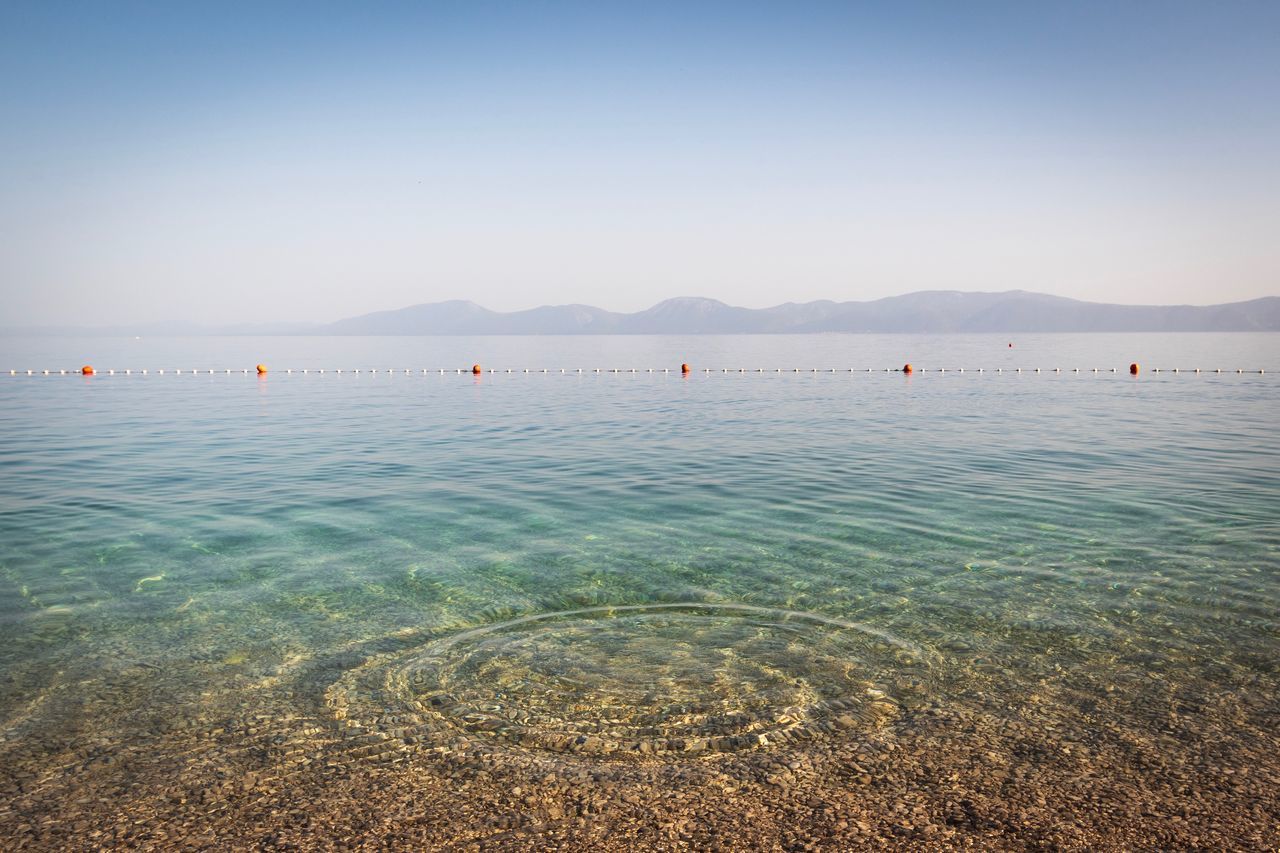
<point>272,162</point>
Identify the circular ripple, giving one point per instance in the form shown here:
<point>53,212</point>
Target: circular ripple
<point>634,679</point>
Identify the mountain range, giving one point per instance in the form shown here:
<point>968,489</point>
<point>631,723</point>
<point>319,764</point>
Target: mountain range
<point>933,311</point>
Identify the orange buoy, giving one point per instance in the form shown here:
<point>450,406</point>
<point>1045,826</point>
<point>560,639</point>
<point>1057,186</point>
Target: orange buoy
<point>87,370</point>
<point>1133,368</point>
<point>906,368</point>
<point>476,369</point>
<point>684,368</point>
<point>262,368</point>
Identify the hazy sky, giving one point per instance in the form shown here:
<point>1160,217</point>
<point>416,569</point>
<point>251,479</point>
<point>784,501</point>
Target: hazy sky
<point>309,163</point>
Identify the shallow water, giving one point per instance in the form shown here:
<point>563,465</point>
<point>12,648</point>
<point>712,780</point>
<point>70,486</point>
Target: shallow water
<point>209,576</point>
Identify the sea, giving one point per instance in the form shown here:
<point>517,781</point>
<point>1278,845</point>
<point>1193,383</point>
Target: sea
<point>1019,571</point>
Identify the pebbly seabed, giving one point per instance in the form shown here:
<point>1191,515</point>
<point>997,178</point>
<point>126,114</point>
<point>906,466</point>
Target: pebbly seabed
<point>644,611</point>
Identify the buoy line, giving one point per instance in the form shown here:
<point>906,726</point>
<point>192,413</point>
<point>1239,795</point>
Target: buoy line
<point>261,370</point>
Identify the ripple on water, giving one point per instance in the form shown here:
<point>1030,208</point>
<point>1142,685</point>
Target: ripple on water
<point>637,679</point>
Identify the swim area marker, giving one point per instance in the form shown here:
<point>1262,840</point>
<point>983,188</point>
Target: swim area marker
<point>907,369</point>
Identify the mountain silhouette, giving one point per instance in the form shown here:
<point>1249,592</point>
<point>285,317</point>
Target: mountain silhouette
<point>928,311</point>
<point>932,311</point>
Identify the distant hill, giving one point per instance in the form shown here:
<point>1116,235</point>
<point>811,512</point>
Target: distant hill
<point>458,317</point>
<point>930,311</point>
<point>927,311</point>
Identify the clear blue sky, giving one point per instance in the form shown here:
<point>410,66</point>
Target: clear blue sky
<point>161,162</point>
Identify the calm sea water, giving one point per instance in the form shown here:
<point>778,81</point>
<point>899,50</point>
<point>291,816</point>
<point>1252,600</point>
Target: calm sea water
<point>619,562</point>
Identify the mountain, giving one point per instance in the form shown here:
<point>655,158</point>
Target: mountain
<point>932,311</point>
<point>692,316</point>
<point>458,317</point>
<point>928,311</point>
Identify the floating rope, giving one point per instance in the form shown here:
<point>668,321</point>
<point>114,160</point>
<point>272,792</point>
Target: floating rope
<point>476,370</point>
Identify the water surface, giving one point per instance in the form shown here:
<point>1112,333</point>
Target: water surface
<point>968,588</point>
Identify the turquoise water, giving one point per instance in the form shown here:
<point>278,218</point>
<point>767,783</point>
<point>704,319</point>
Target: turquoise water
<point>627,565</point>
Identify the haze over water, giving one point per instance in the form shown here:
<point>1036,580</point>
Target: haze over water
<point>993,606</point>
